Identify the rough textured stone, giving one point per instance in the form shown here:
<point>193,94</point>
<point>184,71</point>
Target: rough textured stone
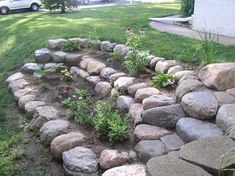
<point>14,77</point>
<point>122,83</point>
<point>135,113</point>
<point>132,89</point>
<point>80,161</point>
<point>111,158</point>
<point>187,86</point>
<point>185,77</point>
<point>183,73</point>
<point>79,72</point>
<point>42,115</point>
<point>163,66</point>
<point>31,106</point>
<point>122,50</point>
<point>231,91</point>
<point>145,93</point>
<point>166,116</point>
<point>190,129</point>
<point>21,92</point>
<point>95,67</point>
<point>207,153</point>
<point>157,101</point>
<point>115,76</point>
<point>127,170</point>
<point>73,59</point>
<point>171,165</point>
<point>172,142</point>
<point>52,129</point>
<point>31,67</point>
<point>124,102</point>
<point>115,93</point>
<point>59,56</point>
<point>106,72</point>
<point>65,142</point>
<point>226,116</point>
<point>18,84</point>
<point>103,88</point>
<point>84,63</point>
<point>224,98</point>
<point>218,76</point>
<point>55,43</point>
<point>93,79</point>
<point>49,65</point>
<point>149,132</point>
<point>25,99</point>
<point>154,61</point>
<point>147,149</point>
<point>201,105</point>
<point>107,46</point>
<point>175,69</point>
<point>42,55</point>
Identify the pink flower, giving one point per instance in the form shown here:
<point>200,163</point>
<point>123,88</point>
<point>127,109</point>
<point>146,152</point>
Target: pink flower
<point>142,31</point>
<point>129,31</point>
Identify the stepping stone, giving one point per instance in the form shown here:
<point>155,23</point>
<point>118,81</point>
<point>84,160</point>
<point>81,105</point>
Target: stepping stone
<point>112,158</point>
<point>52,129</point>
<point>107,46</point>
<point>163,66</point>
<point>172,142</point>
<point>93,79</point>
<point>42,115</point>
<point>56,43</point>
<point>42,55</point>
<point>103,88</point>
<point>73,59</point>
<point>187,86</point>
<point>124,103</point>
<point>59,56</point>
<point>107,72</point>
<point>14,77</point>
<point>94,67</point>
<point>175,69</point>
<point>18,84</point>
<point>201,105</point>
<point>157,101</point>
<point>80,161</point>
<point>171,165</point>
<point>127,170</point>
<point>165,116</point>
<point>115,76</point>
<point>224,98</point>
<point>154,61</point>
<point>147,149</point>
<point>149,132</point>
<point>219,76</point>
<point>66,142</point>
<point>132,89</point>
<point>183,73</point>
<point>31,67</point>
<point>122,50</point>
<point>207,153</point>
<point>21,92</point>
<point>226,116</point>
<point>190,129</point>
<point>122,83</point>
<point>25,99</point>
<point>145,93</point>
<point>79,72</point>
<point>31,107</point>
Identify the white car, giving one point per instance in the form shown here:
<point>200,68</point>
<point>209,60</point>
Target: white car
<point>7,5</point>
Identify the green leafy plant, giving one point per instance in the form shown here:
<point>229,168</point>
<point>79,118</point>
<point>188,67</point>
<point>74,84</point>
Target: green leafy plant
<point>163,80</point>
<point>43,73</point>
<point>114,56</point>
<point>66,76</point>
<point>79,107</point>
<point>187,7</point>
<point>44,86</point>
<point>70,46</point>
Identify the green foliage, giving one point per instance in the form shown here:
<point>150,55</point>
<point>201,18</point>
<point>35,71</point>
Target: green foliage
<point>43,73</point>
<point>66,75</point>
<point>109,124</point>
<point>79,107</point>
<point>114,56</point>
<point>44,86</point>
<point>59,4</point>
<point>163,80</point>
<point>187,7</point>
<point>70,46</point>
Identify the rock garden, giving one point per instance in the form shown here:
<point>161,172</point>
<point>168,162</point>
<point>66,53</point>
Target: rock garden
<point>111,109</point>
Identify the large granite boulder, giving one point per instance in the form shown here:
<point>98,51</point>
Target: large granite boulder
<point>94,67</point>
<point>59,56</point>
<point>122,83</point>
<point>201,105</point>
<point>190,129</point>
<point>124,102</point>
<point>42,55</point>
<point>157,101</point>
<point>73,59</point>
<point>225,117</point>
<point>218,76</point>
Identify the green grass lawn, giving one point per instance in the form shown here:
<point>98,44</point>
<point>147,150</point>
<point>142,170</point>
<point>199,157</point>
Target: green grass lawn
<point>21,34</point>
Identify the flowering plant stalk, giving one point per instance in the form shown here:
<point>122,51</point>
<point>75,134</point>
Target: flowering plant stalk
<point>66,76</point>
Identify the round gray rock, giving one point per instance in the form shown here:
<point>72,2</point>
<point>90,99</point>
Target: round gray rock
<point>226,116</point>
<point>31,67</point>
<point>59,56</point>
<point>106,72</point>
<point>31,106</point>
<point>157,101</point>
<point>42,55</point>
<point>103,88</point>
<point>25,99</point>
<point>107,46</point>
<point>132,89</point>
<point>124,103</point>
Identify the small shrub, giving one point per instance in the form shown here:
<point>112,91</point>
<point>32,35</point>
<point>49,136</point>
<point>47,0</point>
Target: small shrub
<point>187,7</point>
<point>44,86</point>
<point>114,56</point>
<point>43,73</point>
<point>163,80</point>
<point>59,4</point>
<point>66,76</point>
<point>70,46</point>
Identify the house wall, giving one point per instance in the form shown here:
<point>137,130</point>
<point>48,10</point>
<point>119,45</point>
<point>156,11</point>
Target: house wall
<point>215,16</point>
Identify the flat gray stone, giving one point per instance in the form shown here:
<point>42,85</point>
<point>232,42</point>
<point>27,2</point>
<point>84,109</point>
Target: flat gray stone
<point>157,101</point>
<point>80,161</point>
<point>190,129</point>
<point>165,116</point>
<point>225,117</point>
<point>42,55</point>
<point>124,103</point>
<point>183,73</point>
<point>147,149</point>
<point>171,165</point>
<point>163,66</point>
<point>207,153</point>
<point>25,99</point>
<point>14,77</point>
<point>94,67</point>
<point>21,92</point>
<point>145,93</point>
<point>31,106</point>
<point>55,43</point>
<point>114,77</point>
<point>172,142</point>
<point>175,69</point>
<point>73,59</point>
<point>107,72</point>
<point>59,56</point>
<point>18,84</point>
<point>132,89</point>
<point>103,88</point>
<point>31,67</point>
<point>122,83</point>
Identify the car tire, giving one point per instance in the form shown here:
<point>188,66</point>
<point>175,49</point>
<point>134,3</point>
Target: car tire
<point>85,2</point>
<point>35,7</point>
<point>4,10</point>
